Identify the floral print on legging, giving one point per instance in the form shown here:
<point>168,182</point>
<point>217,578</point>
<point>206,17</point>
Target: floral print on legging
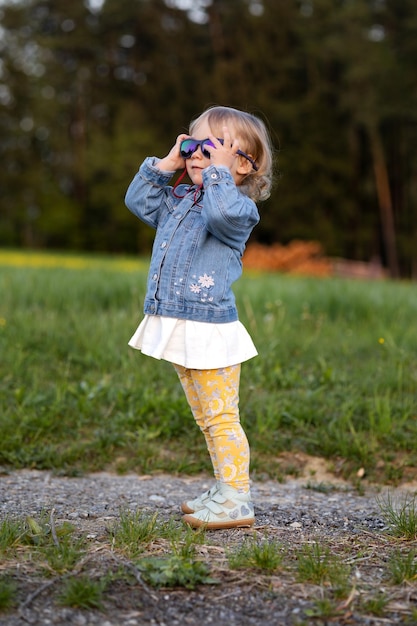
<point>213,396</point>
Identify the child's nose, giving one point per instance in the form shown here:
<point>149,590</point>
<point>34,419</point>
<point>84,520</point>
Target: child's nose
<point>198,152</point>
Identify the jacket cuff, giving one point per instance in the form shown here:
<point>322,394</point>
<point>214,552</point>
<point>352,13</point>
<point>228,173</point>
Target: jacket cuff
<point>152,173</point>
<point>213,175</point>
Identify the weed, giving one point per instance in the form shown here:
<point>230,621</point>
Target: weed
<point>55,545</point>
<point>63,557</point>
<point>265,555</point>
<point>323,608</point>
<point>184,544</point>
<point>8,593</point>
<point>134,531</point>
<point>411,620</point>
<point>316,564</point>
<point>43,533</point>
<point>82,592</point>
<point>179,569</point>
<point>313,563</point>
<point>11,533</point>
<point>175,571</point>
<point>403,567</point>
<point>401,516</point>
<point>376,604</point>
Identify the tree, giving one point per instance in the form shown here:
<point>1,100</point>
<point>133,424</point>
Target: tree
<point>86,94</point>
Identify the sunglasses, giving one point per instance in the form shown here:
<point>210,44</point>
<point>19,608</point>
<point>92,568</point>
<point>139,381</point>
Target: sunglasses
<point>189,146</point>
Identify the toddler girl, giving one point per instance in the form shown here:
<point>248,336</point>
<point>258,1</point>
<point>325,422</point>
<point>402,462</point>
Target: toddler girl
<point>190,312</point>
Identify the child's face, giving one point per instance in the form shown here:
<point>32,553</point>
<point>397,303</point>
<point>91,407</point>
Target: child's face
<point>198,162</point>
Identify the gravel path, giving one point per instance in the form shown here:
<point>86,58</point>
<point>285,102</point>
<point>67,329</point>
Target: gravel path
<point>296,504</point>
<point>294,512</point>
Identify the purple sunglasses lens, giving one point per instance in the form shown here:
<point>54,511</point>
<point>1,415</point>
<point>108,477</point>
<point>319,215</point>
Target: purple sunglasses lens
<point>206,142</point>
<point>188,147</point>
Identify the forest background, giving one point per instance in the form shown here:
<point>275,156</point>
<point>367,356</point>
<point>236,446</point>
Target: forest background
<point>88,89</point>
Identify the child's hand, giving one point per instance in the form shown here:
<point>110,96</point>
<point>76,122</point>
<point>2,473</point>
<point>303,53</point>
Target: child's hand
<point>173,161</point>
<point>223,154</point>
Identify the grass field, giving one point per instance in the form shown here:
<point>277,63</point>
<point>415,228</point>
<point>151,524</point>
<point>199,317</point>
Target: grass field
<point>336,376</point>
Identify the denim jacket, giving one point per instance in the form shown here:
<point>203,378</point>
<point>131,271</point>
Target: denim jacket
<point>199,242</point>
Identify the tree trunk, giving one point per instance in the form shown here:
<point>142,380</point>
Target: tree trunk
<point>384,199</point>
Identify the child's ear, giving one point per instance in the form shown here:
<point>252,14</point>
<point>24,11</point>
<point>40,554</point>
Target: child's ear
<point>244,166</point>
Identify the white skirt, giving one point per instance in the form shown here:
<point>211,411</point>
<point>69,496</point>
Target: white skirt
<point>196,345</point>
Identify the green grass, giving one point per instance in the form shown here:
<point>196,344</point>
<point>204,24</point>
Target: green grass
<point>316,564</point>
<point>134,531</point>
<point>82,592</point>
<point>264,555</point>
<point>336,375</point>
<point>400,515</point>
<point>376,604</point>
<point>8,591</point>
<point>11,532</point>
<point>403,567</point>
<point>175,571</point>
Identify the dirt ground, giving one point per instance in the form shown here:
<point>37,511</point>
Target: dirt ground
<point>317,507</point>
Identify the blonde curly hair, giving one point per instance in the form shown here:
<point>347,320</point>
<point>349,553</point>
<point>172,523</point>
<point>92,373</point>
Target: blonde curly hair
<point>253,139</point>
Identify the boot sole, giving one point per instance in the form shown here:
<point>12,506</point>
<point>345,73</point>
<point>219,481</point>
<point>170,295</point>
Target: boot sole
<point>197,523</point>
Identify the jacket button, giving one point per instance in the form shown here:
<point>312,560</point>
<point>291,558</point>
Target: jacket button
<point>213,176</point>
<point>154,277</point>
<point>164,244</point>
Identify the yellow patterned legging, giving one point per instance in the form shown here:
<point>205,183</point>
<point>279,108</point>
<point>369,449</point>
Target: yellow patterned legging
<point>213,396</point>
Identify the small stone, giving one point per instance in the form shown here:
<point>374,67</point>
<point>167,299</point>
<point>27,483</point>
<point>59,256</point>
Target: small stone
<point>157,498</point>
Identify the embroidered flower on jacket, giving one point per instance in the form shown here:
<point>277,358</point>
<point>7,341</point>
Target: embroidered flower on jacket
<point>206,281</point>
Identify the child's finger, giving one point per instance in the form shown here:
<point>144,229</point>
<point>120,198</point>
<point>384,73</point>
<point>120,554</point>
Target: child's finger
<point>182,137</point>
<point>226,135</point>
<point>235,145</point>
